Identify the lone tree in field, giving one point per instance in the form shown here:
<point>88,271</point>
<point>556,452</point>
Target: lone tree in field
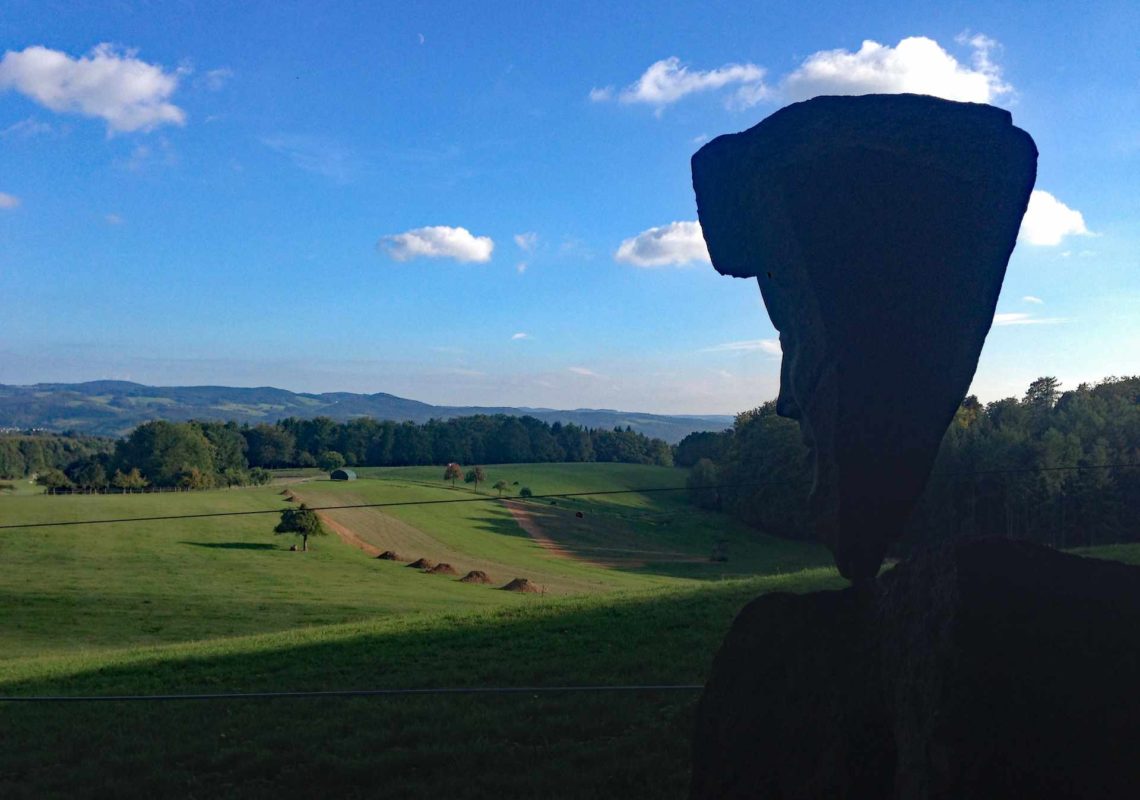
<point>302,521</point>
<point>452,473</point>
<point>475,476</point>
<point>502,486</point>
<point>525,492</point>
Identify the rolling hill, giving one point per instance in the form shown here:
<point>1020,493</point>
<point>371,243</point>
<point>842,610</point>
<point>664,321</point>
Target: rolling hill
<point>112,408</point>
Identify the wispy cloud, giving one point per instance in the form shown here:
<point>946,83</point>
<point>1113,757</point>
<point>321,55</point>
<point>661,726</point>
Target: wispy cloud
<point>438,241</point>
<point>588,373</point>
<point>113,219</point>
<point>526,241</point>
<point>8,201</point>
<point>216,79</point>
<point>317,155</point>
<point>676,243</point>
<point>520,335</point>
<point>666,81</point>
<point>108,83</point>
<point>1021,318</point>
<point>26,129</point>
<point>769,346</point>
<point>1032,299</point>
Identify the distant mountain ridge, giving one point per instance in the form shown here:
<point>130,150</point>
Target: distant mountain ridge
<point>112,408</point>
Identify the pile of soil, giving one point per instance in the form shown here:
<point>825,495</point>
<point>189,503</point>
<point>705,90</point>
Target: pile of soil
<point>422,563</point>
<point>520,585</point>
<point>476,576</point>
<point>289,498</point>
<point>388,555</point>
<point>443,569</point>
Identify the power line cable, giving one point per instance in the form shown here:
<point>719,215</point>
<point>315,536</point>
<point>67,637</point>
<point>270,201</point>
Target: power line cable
<point>455,690</point>
<point>492,498</point>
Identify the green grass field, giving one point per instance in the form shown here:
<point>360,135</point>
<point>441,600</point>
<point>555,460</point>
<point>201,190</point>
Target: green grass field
<point>221,605</point>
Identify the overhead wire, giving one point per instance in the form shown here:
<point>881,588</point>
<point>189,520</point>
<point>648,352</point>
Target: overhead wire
<point>492,498</point>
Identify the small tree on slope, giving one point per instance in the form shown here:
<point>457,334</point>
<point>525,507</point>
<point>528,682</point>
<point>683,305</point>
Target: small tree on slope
<point>303,522</point>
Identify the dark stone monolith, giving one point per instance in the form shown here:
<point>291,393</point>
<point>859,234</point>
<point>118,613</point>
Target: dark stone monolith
<point>879,228</point>
<point>983,670</point>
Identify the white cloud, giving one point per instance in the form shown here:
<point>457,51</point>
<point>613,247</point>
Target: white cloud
<point>111,84</point>
<point>1031,299</point>
<point>8,200</point>
<point>916,64</point>
<point>520,267</point>
<point>113,219</point>
<point>438,241</point>
<point>588,373</point>
<point>769,346</point>
<point>675,243</point>
<point>668,80</point>
<point>1021,318</point>
<point>1047,221</point>
<point>520,335</point>
<point>526,241</point>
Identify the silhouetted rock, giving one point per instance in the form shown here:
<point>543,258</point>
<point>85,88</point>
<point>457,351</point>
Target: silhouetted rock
<point>984,670</point>
<point>878,228</point>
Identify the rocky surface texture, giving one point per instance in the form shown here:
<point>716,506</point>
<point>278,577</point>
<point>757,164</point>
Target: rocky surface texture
<point>879,228</point>
<point>984,670</point>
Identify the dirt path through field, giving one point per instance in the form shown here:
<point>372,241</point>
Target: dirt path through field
<point>347,536</point>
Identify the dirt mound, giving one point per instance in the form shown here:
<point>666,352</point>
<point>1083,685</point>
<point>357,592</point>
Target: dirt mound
<point>388,555</point>
<point>443,569</point>
<point>289,496</point>
<point>520,585</point>
<point>422,563</point>
<point>476,576</point>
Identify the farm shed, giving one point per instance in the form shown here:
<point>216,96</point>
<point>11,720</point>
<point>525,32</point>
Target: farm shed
<point>342,475</point>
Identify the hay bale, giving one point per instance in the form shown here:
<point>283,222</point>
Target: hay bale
<point>476,576</point>
<point>443,569</point>
<point>422,563</point>
<point>520,585</point>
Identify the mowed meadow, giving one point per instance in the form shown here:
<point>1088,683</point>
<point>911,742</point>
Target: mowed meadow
<point>626,593</point>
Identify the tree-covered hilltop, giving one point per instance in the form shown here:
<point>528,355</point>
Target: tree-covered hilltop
<point>1000,471</point>
<point>202,455</point>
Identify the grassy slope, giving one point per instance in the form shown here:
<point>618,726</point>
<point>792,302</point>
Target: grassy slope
<point>163,608</point>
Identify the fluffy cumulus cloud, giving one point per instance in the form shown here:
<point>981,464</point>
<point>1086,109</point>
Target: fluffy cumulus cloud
<point>916,64</point>
<point>107,83</point>
<point>438,241</point>
<point>1048,221</point>
<point>668,80</point>
<point>8,201</point>
<point>675,243</point>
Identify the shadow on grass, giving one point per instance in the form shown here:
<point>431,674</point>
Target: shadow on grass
<point>673,543</point>
<point>580,745</point>
<point>233,545</point>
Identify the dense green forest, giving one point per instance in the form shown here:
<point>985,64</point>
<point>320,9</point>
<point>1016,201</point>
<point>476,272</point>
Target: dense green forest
<point>199,455</point>
<point>1003,469</point>
<point>23,454</point>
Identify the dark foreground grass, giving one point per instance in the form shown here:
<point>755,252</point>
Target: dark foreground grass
<point>600,745</point>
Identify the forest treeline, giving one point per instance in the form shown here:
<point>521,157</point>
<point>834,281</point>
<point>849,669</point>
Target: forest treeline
<point>997,472</point>
<point>200,455</point>
<point>23,454</point>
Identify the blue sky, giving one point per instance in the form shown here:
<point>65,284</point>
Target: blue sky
<point>456,202</point>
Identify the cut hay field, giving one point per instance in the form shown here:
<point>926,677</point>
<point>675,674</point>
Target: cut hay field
<point>219,604</point>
